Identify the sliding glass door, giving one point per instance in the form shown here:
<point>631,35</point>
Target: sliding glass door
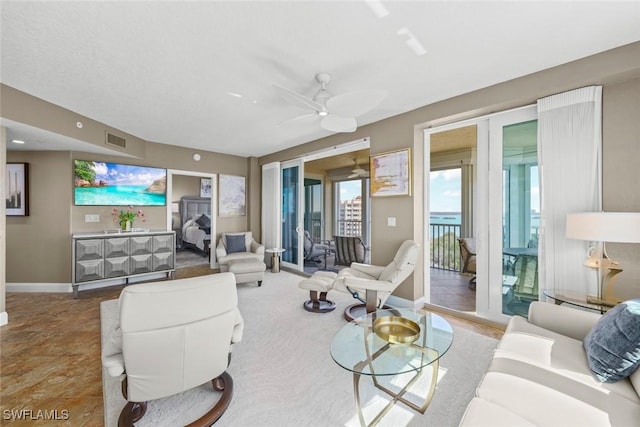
<point>514,212</point>
<point>292,174</point>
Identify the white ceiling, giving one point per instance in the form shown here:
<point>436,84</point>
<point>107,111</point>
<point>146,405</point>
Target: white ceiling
<point>201,74</point>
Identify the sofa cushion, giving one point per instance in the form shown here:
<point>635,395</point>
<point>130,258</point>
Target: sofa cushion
<point>557,401</point>
<point>549,356</point>
<point>480,412</point>
<point>613,344</point>
<point>235,243</point>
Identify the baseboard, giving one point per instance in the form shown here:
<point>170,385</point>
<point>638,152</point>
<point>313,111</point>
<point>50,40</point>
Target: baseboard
<point>38,287</point>
<point>4,318</point>
<point>395,301</point>
<point>67,288</point>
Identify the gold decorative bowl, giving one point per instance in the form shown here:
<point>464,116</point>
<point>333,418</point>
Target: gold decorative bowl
<point>395,329</point>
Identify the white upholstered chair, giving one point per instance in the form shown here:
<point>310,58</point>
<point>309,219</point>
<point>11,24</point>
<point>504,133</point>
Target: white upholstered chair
<point>376,282</point>
<point>228,249</point>
<point>173,336</point>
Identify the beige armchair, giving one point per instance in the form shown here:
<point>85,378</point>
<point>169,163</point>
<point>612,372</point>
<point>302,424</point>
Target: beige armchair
<point>376,282</point>
<point>238,246</point>
<point>173,336</point>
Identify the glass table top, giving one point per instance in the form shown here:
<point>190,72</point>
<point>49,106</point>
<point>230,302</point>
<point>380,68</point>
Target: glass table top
<point>574,298</point>
<point>358,349</point>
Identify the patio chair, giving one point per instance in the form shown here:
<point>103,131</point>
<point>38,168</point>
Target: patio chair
<point>312,252</point>
<point>468,257</point>
<point>349,249</point>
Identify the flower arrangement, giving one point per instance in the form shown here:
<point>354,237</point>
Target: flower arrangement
<point>123,217</point>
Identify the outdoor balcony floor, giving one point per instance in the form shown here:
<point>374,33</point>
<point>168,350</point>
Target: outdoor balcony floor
<point>450,289</point>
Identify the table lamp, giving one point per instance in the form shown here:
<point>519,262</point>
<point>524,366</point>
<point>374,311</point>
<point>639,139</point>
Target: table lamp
<point>598,228</point>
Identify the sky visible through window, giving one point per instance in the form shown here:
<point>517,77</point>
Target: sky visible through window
<point>445,190</point>
<point>445,194</point>
<point>350,189</point>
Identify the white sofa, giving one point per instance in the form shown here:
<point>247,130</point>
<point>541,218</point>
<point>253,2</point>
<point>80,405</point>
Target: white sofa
<point>539,376</point>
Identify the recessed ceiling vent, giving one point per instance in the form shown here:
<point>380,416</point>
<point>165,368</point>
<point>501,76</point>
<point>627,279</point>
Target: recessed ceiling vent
<point>116,140</point>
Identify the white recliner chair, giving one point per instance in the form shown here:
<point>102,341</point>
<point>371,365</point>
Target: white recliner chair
<point>376,282</point>
<point>173,336</point>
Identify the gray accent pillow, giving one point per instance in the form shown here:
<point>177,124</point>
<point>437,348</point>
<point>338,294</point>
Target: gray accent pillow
<point>235,243</point>
<point>613,344</point>
<point>204,221</point>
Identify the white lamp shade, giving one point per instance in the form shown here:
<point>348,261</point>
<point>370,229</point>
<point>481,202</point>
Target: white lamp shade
<point>619,227</point>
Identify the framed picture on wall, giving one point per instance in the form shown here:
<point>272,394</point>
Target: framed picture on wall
<point>17,189</point>
<point>391,173</point>
<point>205,187</point>
<point>231,195</point>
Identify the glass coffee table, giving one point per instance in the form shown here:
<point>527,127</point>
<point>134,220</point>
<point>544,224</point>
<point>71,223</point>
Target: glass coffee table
<point>357,348</point>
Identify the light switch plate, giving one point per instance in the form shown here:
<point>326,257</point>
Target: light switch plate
<point>391,221</point>
<point>92,218</point>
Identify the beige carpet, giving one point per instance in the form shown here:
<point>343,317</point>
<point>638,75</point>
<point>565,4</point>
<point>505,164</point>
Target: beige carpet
<point>284,375</point>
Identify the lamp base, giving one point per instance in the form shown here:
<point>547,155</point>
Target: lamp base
<point>599,301</point>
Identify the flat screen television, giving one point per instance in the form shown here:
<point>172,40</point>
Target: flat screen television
<point>114,184</point>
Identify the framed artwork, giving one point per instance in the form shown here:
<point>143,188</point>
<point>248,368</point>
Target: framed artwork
<point>231,195</point>
<point>205,187</point>
<point>17,189</point>
<point>391,173</point>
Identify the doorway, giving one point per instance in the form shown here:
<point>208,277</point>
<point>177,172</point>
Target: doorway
<point>298,208</point>
<point>499,215</point>
<point>187,183</point>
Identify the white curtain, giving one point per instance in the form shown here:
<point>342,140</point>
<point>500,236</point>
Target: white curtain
<point>271,205</point>
<point>570,166</point>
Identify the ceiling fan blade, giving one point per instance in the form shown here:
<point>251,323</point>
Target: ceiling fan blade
<point>354,104</point>
<point>353,175</point>
<point>300,100</point>
<point>299,118</point>
<point>339,124</point>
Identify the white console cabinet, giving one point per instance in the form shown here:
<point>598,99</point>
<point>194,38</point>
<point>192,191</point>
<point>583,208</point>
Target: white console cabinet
<point>121,255</point>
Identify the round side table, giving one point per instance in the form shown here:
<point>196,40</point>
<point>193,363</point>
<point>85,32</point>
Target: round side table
<point>275,258</point>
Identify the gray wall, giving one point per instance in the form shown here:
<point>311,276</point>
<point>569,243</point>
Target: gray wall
<point>617,70</point>
<point>38,247</point>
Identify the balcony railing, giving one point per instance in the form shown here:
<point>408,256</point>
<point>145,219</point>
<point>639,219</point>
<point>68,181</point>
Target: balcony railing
<point>445,249</point>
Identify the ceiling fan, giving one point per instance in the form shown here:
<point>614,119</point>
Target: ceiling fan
<point>338,113</point>
<point>358,171</point>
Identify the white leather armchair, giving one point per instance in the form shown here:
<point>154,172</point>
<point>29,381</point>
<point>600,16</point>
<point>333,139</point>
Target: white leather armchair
<point>173,336</point>
<point>376,282</point>
<point>253,250</point>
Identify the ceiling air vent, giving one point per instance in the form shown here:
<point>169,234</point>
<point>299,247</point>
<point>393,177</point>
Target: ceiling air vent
<point>116,140</point>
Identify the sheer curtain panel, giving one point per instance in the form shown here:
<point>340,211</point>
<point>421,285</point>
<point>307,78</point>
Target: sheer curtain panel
<point>271,205</point>
<point>570,164</point>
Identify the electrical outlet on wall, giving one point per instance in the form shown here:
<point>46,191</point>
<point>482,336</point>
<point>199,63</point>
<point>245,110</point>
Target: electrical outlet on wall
<point>92,218</point>
<point>391,221</point>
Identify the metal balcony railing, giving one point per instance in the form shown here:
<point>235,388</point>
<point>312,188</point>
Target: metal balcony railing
<point>445,249</point>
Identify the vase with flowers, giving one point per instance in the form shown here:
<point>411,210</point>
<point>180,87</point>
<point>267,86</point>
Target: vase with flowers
<point>125,218</point>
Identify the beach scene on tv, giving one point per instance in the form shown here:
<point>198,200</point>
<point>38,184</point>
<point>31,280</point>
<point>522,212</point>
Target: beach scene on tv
<point>113,184</point>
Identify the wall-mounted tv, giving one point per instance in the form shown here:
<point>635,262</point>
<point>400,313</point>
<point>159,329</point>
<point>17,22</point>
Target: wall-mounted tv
<point>114,184</point>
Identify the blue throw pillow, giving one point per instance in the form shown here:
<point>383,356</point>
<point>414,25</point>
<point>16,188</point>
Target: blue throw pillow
<point>204,220</point>
<point>235,243</point>
<point>613,344</point>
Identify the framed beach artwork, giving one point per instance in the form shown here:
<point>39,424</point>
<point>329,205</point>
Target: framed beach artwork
<point>205,187</point>
<point>231,195</point>
<point>17,189</point>
<point>391,173</point>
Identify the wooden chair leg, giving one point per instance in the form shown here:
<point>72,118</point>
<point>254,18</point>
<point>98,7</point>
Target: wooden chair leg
<point>223,383</point>
<point>132,411</point>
